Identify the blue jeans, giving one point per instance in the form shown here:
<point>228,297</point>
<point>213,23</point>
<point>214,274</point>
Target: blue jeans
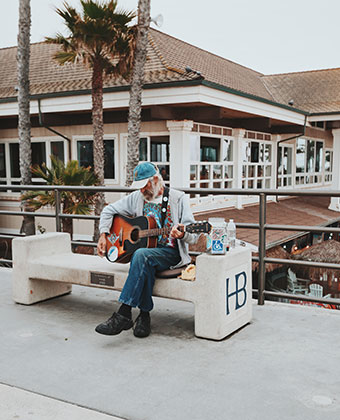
<point>137,290</point>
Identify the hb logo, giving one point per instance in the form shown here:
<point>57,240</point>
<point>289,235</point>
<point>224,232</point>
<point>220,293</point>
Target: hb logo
<point>238,290</point>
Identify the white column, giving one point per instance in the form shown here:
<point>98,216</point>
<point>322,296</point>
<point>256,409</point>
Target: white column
<point>180,152</point>
<point>238,135</point>
<point>335,201</point>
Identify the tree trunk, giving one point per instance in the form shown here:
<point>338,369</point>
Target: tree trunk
<point>98,137</point>
<point>66,224</point>
<point>135,103</point>
<point>24,122</point>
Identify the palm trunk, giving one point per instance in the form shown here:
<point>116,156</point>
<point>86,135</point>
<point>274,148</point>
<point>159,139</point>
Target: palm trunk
<point>24,122</point>
<point>98,137</point>
<point>135,103</point>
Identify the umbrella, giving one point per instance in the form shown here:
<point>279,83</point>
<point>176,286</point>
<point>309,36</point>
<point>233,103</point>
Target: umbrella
<point>327,252</point>
<point>276,252</point>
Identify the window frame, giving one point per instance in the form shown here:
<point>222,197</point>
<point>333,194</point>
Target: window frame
<point>8,179</point>
<point>113,137</point>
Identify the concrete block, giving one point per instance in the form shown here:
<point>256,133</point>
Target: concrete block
<point>27,290</point>
<point>223,293</point>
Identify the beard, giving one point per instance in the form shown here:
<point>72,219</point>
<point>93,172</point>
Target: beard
<point>151,193</point>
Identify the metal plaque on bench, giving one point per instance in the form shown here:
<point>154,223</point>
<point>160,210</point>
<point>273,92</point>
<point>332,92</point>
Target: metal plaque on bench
<point>102,279</point>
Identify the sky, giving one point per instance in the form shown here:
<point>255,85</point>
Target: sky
<point>270,36</point>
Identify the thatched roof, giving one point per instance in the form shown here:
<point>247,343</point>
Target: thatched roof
<point>327,252</point>
<point>276,252</point>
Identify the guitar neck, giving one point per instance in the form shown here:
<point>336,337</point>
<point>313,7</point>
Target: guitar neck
<point>154,232</point>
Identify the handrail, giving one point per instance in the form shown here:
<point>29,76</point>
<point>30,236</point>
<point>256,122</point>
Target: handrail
<point>262,226</point>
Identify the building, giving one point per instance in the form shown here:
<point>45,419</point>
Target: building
<point>207,121</point>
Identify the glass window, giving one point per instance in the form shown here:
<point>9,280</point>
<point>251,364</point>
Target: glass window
<point>2,161</point>
<point>227,150</point>
<point>38,153</point>
<point>255,152</point>
<point>109,159</point>
<point>14,159</point>
<point>85,156</point>
<point>328,161</point>
<point>300,155</point>
<point>287,160</point>
<point>160,151</point>
<point>143,149</point>
<point>85,153</point>
<point>267,153</point>
<point>318,156</point>
<point>57,150</point>
<point>210,148</point>
<point>193,172</point>
<point>310,155</point>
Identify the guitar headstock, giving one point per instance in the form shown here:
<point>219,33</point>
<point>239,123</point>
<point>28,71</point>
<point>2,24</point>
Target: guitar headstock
<point>199,227</point>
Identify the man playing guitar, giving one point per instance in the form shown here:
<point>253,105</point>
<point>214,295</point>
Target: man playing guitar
<point>171,209</point>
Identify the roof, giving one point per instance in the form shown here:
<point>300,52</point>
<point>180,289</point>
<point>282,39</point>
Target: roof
<point>313,91</point>
<point>168,57</point>
<point>305,211</point>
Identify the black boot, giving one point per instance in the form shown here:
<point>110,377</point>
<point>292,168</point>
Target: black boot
<point>142,326</point>
<point>114,325</point>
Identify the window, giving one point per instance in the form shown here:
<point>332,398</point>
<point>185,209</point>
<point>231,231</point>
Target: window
<point>212,163</point>
<point>38,154</point>
<point>156,149</point>
<point>41,151</point>
<point>14,160</point>
<point>209,149</point>
<point>57,150</point>
<point>300,155</point>
<point>285,166</point>
<point>2,161</point>
<point>257,164</point>
<point>328,165</point>
<point>85,156</point>
<point>309,157</point>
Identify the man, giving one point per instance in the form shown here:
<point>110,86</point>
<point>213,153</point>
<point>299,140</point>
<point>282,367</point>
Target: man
<point>151,199</point>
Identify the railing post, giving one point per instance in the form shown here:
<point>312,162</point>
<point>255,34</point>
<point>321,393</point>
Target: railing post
<point>262,249</point>
<point>57,210</point>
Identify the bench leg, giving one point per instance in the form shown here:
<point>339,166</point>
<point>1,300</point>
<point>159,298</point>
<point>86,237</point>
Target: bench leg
<point>25,289</point>
<point>223,301</point>
<point>28,291</point>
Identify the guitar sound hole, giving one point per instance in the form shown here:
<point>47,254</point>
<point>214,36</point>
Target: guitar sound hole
<point>134,235</point>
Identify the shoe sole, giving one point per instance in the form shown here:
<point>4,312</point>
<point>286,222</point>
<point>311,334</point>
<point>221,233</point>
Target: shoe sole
<point>103,332</point>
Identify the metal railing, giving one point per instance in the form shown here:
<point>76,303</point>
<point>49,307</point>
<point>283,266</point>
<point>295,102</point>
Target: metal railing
<point>262,226</point>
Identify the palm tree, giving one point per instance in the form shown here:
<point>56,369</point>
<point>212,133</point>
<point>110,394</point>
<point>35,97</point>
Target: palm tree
<point>99,37</point>
<point>24,121</point>
<point>135,103</point>
<point>72,202</point>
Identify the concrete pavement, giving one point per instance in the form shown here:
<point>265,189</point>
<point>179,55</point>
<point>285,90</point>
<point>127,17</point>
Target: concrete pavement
<point>284,365</point>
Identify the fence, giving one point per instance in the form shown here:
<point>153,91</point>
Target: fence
<point>262,227</point>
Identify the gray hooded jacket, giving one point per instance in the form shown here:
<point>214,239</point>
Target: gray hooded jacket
<point>132,206</point>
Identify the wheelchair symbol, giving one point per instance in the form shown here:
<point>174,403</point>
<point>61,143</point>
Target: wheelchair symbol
<point>217,245</point>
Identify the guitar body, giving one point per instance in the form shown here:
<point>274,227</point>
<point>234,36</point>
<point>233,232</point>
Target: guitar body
<point>124,237</point>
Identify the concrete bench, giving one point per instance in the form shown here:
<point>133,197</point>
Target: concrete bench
<point>45,267</point>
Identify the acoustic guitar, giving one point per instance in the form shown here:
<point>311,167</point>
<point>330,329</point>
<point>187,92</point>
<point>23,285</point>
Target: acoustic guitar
<point>127,234</point>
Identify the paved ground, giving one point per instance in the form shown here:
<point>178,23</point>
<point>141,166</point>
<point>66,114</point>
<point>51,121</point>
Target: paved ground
<point>284,365</point>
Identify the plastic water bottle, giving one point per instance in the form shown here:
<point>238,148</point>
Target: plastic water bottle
<point>231,233</point>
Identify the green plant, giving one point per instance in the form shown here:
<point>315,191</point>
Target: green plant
<point>72,202</point>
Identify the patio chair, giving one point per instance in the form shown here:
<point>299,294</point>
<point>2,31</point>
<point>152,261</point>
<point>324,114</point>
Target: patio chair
<point>296,285</point>
<point>316,290</point>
